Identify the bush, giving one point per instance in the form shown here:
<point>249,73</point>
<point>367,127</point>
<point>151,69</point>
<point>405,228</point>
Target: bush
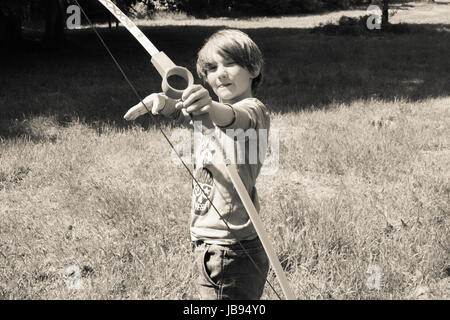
<point>204,8</point>
<point>358,26</point>
<point>199,8</point>
<point>143,10</point>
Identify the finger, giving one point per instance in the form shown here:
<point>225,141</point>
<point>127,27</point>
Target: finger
<point>199,104</point>
<point>201,111</point>
<point>135,112</point>
<point>149,102</point>
<point>179,105</point>
<point>158,102</point>
<point>141,108</point>
<point>190,90</point>
<point>195,97</point>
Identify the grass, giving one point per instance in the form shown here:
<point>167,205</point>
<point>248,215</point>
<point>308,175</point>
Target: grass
<point>363,179</point>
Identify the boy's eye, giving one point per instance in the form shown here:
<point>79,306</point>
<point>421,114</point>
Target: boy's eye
<point>211,67</point>
<point>229,63</point>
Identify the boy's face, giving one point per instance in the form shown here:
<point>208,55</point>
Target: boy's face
<point>230,82</point>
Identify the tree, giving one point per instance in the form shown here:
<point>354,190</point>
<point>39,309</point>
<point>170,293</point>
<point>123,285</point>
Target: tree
<point>12,13</point>
<point>16,13</point>
<point>10,22</point>
<point>257,7</point>
<point>385,13</point>
<point>54,21</point>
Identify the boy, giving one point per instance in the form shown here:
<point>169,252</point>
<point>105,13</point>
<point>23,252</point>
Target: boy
<point>231,64</point>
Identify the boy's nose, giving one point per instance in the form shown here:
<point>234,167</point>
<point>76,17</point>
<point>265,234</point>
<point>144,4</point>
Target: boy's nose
<point>222,72</point>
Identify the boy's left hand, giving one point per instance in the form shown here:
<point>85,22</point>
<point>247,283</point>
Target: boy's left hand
<point>196,99</point>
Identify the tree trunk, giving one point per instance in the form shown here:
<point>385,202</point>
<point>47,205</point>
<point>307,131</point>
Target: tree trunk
<point>54,22</point>
<point>10,30</point>
<point>385,13</point>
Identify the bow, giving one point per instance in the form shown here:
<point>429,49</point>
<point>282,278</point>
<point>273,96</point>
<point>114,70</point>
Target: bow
<point>167,69</point>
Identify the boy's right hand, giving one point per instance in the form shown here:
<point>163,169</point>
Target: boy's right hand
<point>157,103</point>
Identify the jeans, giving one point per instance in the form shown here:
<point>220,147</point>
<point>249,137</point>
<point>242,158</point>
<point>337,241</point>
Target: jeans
<point>227,273</point>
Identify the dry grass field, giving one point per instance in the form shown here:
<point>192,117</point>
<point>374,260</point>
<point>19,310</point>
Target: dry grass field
<point>93,207</point>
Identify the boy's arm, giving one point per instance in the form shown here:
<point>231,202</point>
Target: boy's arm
<point>223,115</point>
<point>244,114</point>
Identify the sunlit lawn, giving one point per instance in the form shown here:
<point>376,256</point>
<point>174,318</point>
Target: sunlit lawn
<point>93,207</point>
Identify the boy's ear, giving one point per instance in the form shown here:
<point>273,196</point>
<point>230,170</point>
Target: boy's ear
<point>255,73</point>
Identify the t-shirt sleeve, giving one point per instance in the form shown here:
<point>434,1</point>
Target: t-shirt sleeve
<point>249,113</point>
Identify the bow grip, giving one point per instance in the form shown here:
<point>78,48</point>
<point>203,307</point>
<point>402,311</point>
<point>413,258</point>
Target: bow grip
<point>167,69</point>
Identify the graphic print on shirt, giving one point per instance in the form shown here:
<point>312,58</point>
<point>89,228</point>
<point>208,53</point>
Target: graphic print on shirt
<point>200,202</point>
<point>204,149</point>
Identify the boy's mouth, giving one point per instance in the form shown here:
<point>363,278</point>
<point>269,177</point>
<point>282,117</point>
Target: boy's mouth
<point>224,85</point>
